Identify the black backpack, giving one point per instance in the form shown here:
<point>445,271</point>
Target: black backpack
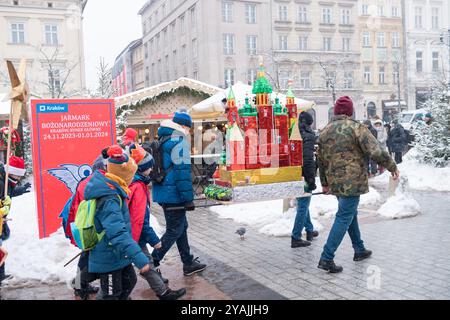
<point>155,149</point>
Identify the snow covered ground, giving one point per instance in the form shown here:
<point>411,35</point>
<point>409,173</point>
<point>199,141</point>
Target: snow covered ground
<point>422,177</point>
<point>33,260</point>
<point>269,219</point>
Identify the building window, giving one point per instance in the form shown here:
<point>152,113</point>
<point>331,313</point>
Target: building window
<point>227,11</point>
<point>182,24</point>
<point>251,45</point>
<point>395,12</point>
<point>195,75</point>
<point>418,17</point>
<point>174,30</point>
<point>147,75</point>
<point>175,62</point>
<point>250,13</point>
<point>51,35</point>
<point>228,44</point>
<point>183,55</point>
<point>419,61</point>
<point>302,15</point>
<point>163,10</point>
<point>326,44</point>
<point>326,15</point>
<point>146,50</point>
<point>382,75</point>
<point>366,39</point>
<point>435,18</point>
<point>305,80</point>
<point>149,23</point>
<point>229,77</point>
<point>54,80</point>
<point>381,40</point>
<point>346,44</point>
<point>365,10</point>
<point>16,2</point>
<point>330,79</point>
<point>396,77</point>
<point>166,66</point>
<point>49,4</point>
<point>193,18</point>
<point>435,64</point>
<point>194,49</point>
<point>165,37</point>
<point>367,75</point>
<point>303,43</point>
<point>283,42</point>
<point>345,16</point>
<point>348,80</point>
<point>381,11</point>
<point>251,76</point>
<point>18,33</point>
<point>284,79</point>
<point>283,13</point>
<point>395,40</point>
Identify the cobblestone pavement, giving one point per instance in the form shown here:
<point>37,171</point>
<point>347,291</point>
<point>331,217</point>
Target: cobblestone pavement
<point>410,261</point>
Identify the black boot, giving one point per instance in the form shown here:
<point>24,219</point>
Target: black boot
<point>311,235</point>
<point>172,294</point>
<point>165,280</point>
<point>330,266</point>
<point>360,256</point>
<point>194,267</point>
<point>299,243</point>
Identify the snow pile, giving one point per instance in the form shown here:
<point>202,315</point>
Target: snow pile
<point>421,176</point>
<point>268,217</point>
<point>33,260</point>
<point>402,204</point>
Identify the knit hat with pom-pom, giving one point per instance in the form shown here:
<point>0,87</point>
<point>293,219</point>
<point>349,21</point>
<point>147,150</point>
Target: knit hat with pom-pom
<point>120,164</point>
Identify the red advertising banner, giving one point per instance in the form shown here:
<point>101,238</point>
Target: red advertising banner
<point>67,136</point>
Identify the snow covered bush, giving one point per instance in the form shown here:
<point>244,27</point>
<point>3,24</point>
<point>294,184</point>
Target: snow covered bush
<point>433,141</point>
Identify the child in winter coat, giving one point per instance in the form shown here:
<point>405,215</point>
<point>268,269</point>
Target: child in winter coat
<point>141,231</point>
<point>16,172</point>
<point>113,256</point>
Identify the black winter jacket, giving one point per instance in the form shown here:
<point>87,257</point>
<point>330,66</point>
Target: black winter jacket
<point>398,138</point>
<point>309,162</point>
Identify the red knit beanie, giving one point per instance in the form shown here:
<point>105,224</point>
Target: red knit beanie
<point>129,136</point>
<point>344,106</point>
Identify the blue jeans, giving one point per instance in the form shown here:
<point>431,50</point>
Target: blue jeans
<point>303,218</point>
<point>346,221</point>
<point>176,232</point>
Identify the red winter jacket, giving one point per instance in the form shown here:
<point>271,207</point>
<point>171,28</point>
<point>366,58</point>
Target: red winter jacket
<point>139,199</point>
<point>79,197</point>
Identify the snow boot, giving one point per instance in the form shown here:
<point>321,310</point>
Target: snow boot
<point>299,243</point>
<point>194,267</point>
<point>165,280</point>
<point>330,266</point>
<point>311,235</point>
<point>172,294</point>
<point>360,256</point>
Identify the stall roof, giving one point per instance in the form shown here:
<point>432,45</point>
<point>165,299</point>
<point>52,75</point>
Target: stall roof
<point>154,91</point>
<point>213,106</point>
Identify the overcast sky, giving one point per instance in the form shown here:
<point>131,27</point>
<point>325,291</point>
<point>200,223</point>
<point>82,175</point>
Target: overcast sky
<point>109,25</point>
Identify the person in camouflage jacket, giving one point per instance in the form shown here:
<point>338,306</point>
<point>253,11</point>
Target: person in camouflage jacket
<point>343,147</point>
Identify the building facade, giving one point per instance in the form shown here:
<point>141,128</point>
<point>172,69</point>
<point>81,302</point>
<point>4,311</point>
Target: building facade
<point>382,57</point>
<point>314,43</point>
<point>426,56</point>
<point>49,35</point>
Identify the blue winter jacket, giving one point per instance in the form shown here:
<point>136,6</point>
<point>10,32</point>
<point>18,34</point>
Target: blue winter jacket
<point>177,185</point>
<point>117,249</point>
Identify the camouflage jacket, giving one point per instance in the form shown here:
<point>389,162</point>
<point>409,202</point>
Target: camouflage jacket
<point>343,147</point>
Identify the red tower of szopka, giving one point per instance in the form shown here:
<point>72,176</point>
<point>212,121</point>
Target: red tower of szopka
<point>281,134</point>
<point>249,123</point>
<point>262,89</point>
<point>232,110</point>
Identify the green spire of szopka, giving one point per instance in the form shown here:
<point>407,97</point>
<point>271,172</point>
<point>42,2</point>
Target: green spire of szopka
<point>278,108</point>
<point>231,95</point>
<point>290,93</point>
<point>247,110</point>
<point>262,85</point>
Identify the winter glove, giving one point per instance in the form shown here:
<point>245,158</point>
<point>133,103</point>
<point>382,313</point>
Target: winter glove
<point>6,202</point>
<point>190,206</point>
<point>310,187</point>
<point>4,211</point>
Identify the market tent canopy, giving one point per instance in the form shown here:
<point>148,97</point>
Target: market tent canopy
<point>213,107</point>
<point>154,91</point>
